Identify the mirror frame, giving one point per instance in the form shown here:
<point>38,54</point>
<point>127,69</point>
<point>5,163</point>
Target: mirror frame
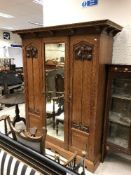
<point>50,139</point>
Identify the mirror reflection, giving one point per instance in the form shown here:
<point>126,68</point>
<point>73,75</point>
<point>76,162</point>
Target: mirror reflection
<point>54,78</point>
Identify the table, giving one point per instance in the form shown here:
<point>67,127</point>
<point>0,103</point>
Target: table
<point>14,99</point>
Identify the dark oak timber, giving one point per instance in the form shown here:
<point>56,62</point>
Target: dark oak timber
<point>118,100</point>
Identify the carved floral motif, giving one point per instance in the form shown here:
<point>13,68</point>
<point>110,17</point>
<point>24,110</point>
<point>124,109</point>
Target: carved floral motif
<point>83,51</point>
<point>80,127</point>
<point>31,52</point>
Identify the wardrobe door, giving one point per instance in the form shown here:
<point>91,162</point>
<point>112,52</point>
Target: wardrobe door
<point>33,82</point>
<point>82,53</point>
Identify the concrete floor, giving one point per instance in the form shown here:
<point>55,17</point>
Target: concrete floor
<point>114,164</point>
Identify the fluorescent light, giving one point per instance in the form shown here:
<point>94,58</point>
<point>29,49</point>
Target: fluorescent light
<point>7,28</point>
<point>35,23</point>
<point>4,15</point>
<point>40,2</point>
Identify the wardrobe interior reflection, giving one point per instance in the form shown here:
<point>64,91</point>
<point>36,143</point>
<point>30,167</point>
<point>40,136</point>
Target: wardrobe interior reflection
<point>54,67</point>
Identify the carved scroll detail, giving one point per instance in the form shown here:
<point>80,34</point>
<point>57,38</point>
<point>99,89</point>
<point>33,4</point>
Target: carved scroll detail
<point>80,127</point>
<point>31,52</point>
<point>83,51</point>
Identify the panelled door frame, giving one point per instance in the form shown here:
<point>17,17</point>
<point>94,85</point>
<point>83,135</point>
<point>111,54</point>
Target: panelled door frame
<point>80,139</point>
<point>33,83</point>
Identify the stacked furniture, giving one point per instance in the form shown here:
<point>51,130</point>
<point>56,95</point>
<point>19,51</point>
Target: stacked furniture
<point>9,81</point>
<point>17,159</point>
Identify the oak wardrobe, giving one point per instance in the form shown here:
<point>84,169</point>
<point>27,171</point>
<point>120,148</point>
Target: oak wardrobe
<point>64,72</point>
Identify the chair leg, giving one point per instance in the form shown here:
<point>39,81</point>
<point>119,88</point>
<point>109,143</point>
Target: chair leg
<point>5,124</point>
<point>4,118</point>
<point>54,122</point>
<point>57,123</point>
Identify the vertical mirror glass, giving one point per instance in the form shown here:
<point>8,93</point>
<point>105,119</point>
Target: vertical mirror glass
<point>54,87</point>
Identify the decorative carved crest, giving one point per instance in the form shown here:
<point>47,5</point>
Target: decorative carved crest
<point>31,52</point>
<point>83,51</point>
<point>80,127</point>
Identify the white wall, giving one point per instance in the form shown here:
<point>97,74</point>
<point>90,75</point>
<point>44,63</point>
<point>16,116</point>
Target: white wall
<point>71,11</point>
<point>11,52</point>
<point>14,39</point>
<point>122,47</point>
<point>16,53</point>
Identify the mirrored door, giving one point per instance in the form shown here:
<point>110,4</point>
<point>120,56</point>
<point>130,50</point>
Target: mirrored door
<point>54,88</point>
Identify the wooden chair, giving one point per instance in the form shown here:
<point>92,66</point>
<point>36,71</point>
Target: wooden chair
<point>72,163</point>
<point>53,154</point>
<point>57,157</point>
<point>59,83</point>
<point>36,143</point>
<point>7,129</point>
<point>77,166</point>
<point>59,119</point>
<point>4,118</point>
<point>54,108</point>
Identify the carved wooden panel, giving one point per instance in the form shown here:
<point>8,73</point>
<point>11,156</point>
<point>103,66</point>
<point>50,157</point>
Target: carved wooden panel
<point>31,51</point>
<point>81,80</point>
<point>86,92</point>
<point>33,79</point>
<point>79,140</point>
<point>80,127</point>
<point>83,51</point>
<point>77,91</point>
